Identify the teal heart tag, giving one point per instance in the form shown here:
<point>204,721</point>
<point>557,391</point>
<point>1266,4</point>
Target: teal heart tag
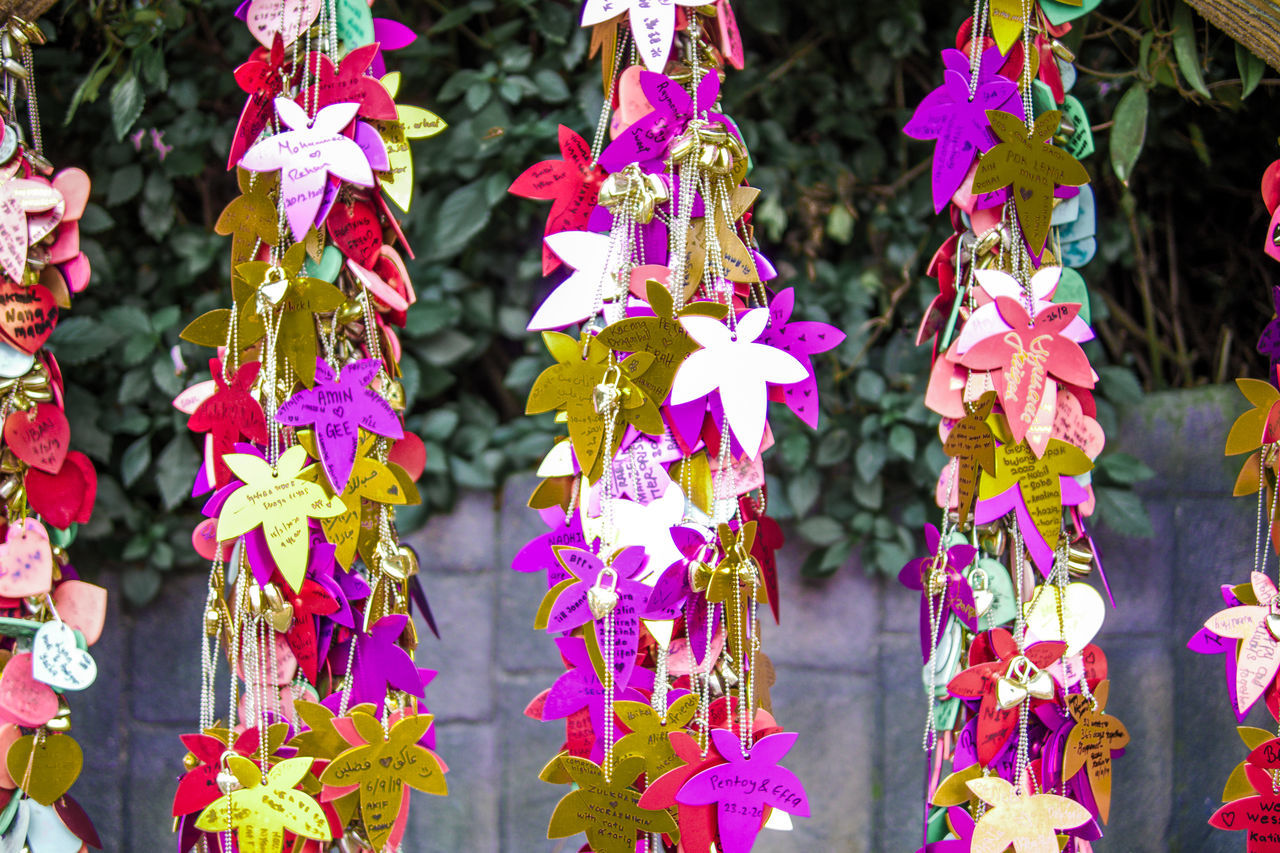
<point>355,24</point>
<point>1080,144</point>
<point>328,268</point>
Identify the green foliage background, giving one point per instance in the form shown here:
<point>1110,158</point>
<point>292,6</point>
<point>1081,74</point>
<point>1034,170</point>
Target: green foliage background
<point>846,215</point>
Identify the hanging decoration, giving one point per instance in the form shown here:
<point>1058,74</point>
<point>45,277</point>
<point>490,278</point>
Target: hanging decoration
<point>1246,632</point>
<point>1018,738</point>
<point>49,618</point>
<point>668,343</point>
<point>325,728</point>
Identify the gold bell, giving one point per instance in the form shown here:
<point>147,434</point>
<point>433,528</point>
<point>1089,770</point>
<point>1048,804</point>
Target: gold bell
<point>350,311</point>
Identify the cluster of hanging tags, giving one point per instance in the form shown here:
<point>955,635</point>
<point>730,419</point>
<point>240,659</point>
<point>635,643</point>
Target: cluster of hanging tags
<point>669,345</point>
<point>311,594</point>
<point>1247,631</point>
<point>1018,740</point>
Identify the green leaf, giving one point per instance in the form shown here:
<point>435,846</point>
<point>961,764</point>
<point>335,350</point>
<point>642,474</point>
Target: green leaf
<point>869,459</point>
<point>821,530</point>
<point>461,216</point>
<point>1129,131</point>
<point>551,86</point>
<point>140,585</point>
<point>1124,468</point>
<point>870,386</point>
<point>174,467</point>
<point>1122,511</point>
<point>125,183</point>
<point>902,441</point>
<point>823,562</point>
<point>833,447</point>
<point>840,224</point>
<point>1251,69</point>
<point>126,104</point>
<point>137,456</point>
<point>77,340</point>
<point>802,491</point>
<point>1119,385</point>
<point>1184,48</point>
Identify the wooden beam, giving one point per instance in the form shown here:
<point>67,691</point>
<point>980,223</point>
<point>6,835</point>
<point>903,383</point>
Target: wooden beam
<point>1253,23</point>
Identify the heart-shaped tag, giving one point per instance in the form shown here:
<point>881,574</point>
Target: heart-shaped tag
<point>83,606</point>
<point>282,617</point>
<point>24,700</point>
<point>1273,625</point>
<point>45,770</point>
<point>1082,612</point>
<point>26,560</point>
<point>77,272</point>
<point>27,315</point>
<point>48,832</point>
<point>41,225</point>
<point>265,17</point>
<point>66,497</point>
<point>274,291</point>
<point>632,103</point>
<point>9,735</point>
<point>39,436</point>
<point>355,230</point>
<point>58,661</point>
<point>601,600</point>
<point>14,362</point>
<point>328,268</point>
<point>74,185</point>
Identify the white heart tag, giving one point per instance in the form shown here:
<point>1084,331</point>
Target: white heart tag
<point>58,661</point>
<point>1083,611</point>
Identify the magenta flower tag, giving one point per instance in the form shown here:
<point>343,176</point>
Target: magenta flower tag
<point>746,787</point>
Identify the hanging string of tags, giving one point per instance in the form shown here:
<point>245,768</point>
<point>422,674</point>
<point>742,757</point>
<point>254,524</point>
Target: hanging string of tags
<point>311,593</point>
<point>1017,734</point>
<point>48,616</point>
<point>1246,632</point>
<point>668,344</point>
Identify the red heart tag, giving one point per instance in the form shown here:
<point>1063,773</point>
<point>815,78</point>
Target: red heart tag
<point>27,315</point>
<point>39,437</point>
<point>355,230</point>
<point>66,497</point>
<point>410,454</point>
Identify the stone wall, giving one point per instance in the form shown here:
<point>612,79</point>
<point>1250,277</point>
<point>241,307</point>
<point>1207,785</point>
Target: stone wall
<point>848,677</point>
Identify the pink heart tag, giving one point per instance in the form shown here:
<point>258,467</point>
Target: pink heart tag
<point>83,606</point>
<point>77,272</point>
<point>264,18</point>
<point>9,735</point>
<point>1073,426</point>
<point>23,699</point>
<point>632,103</point>
<point>381,292</point>
<point>26,560</point>
<point>191,398</point>
<point>39,437</point>
<point>74,185</point>
<point>66,245</point>
<point>205,540</point>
